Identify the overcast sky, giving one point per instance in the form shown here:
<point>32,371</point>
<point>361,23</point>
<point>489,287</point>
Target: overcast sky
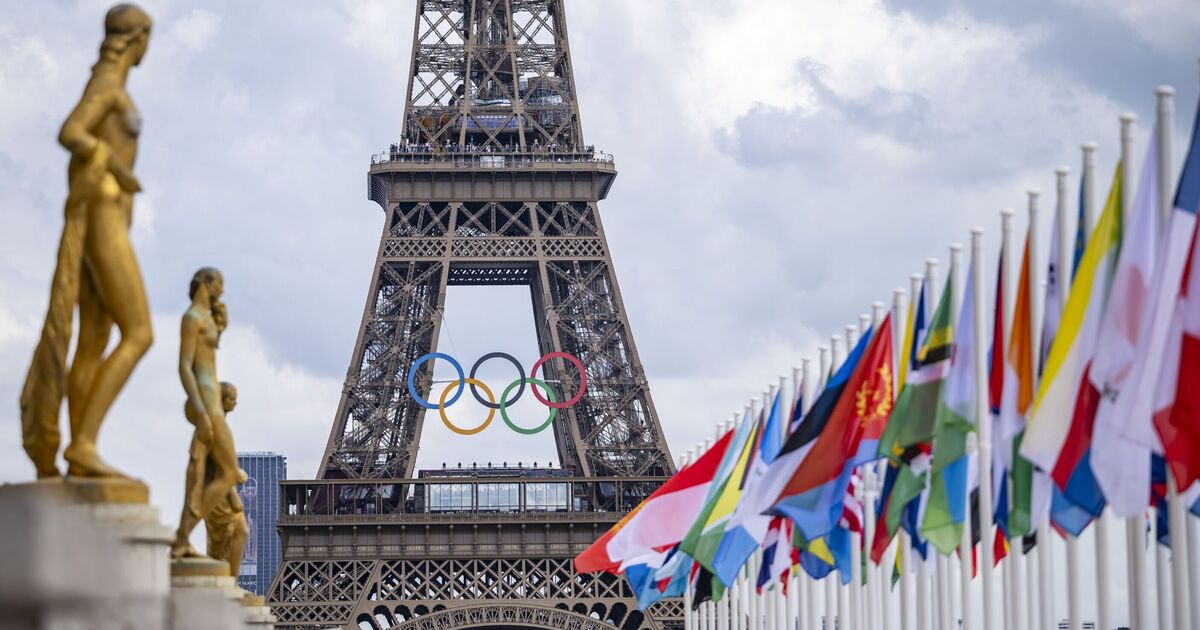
<point>783,164</point>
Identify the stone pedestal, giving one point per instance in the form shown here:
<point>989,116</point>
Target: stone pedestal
<point>256,613</point>
<point>82,553</point>
<point>204,596</point>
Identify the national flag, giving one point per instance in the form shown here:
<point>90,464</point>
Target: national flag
<point>659,576</point>
<point>746,529</point>
<point>801,441</point>
<point>957,416</point>
<point>916,407</point>
<point>1057,437</point>
<point>996,367</point>
<point>1176,405</point>
<point>814,495</point>
<point>907,354</point>
<point>1123,465</point>
<point>703,540</point>
<point>659,521</point>
<point>1028,491</point>
<point>777,554</point>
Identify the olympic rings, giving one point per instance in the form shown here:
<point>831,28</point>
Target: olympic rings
<point>442,407</point>
<point>582,379</point>
<point>503,399</point>
<point>464,382</point>
<point>504,410</point>
<point>412,374</point>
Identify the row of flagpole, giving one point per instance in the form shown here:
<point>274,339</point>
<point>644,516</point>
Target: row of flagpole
<point>1018,597</point>
<point>936,589</point>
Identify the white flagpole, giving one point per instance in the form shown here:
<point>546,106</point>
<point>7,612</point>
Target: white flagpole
<point>1135,526</point>
<point>829,357</point>
<point>1012,584</point>
<point>1063,279</point>
<point>1040,598</point>
<point>1100,528</point>
<point>1176,510</point>
<point>689,621</point>
<point>835,597</point>
<point>984,429</point>
<point>1161,578</point>
<point>963,598</point>
<point>932,584</point>
<point>812,620</point>
<point>854,589</point>
<point>900,318</point>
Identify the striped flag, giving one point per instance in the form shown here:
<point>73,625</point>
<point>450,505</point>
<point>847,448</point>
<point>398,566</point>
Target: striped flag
<point>1123,470</point>
<point>1057,438</point>
<point>1177,414</point>
<point>661,520</point>
<point>947,510</point>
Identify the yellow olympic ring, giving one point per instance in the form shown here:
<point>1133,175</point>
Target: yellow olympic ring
<point>462,383</point>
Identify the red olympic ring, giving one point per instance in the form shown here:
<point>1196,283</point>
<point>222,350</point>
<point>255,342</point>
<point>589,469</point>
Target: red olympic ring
<point>582,379</point>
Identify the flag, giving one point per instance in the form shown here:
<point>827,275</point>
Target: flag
<point>776,555</point>
<point>916,407</point>
<point>659,521</point>
<point>658,576</point>
<point>957,416</point>
<point>1123,473</point>
<point>1179,423</point>
<point>703,540</point>
<point>800,442</point>
<point>997,361</point>
<point>1028,491</point>
<point>1056,436</point>
<point>746,530</point>
<point>813,496</point>
<point>1177,319</point>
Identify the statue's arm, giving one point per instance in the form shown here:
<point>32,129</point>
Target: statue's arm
<point>189,336</point>
<point>76,133</point>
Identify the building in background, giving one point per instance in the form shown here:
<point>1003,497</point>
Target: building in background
<point>260,496</point>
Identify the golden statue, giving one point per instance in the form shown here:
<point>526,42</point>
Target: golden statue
<point>96,267</point>
<point>226,523</point>
<point>212,457</point>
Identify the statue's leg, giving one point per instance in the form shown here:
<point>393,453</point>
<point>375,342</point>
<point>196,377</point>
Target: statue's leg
<point>197,454</point>
<point>119,281</point>
<point>95,327</point>
<point>237,543</point>
<point>224,459</point>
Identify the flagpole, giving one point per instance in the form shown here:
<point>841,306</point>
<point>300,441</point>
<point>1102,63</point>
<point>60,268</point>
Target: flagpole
<point>1134,526</point>
<point>854,594</point>
<point>843,617</point>
<point>964,547</point>
<point>1040,604</point>
<point>876,605</point>
<point>1100,529</point>
<point>900,318</point>
<point>812,620</point>
<point>1176,510</point>
<point>1012,582</point>
<point>929,612</point>
<point>832,585</point>
<point>984,429</point>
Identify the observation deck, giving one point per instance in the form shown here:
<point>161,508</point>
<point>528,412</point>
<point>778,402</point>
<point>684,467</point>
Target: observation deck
<point>416,172</point>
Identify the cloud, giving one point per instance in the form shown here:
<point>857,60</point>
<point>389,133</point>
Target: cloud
<point>782,166</point>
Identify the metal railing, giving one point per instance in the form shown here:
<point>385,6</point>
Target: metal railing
<point>387,499</point>
<point>491,157</point>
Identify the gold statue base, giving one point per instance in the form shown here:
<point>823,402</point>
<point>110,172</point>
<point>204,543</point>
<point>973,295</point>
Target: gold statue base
<point>199,567</point>
<point>106,490</point>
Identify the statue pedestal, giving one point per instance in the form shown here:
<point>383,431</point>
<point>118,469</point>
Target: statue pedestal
<point>204,596</point>
<point>257,614</point>
<point>82,553</point>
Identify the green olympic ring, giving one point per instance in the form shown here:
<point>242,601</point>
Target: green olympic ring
<point>504,407</point>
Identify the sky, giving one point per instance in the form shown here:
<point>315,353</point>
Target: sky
<point>783,164</point>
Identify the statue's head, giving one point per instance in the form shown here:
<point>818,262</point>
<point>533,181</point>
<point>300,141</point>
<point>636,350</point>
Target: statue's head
<point>126,33</point>
<point>210,279</point>
<point>228,396</point>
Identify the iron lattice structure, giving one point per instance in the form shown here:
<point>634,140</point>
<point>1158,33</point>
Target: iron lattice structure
<point>491,184</point>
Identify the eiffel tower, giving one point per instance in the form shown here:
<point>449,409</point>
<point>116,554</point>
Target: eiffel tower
<point>490,184</point>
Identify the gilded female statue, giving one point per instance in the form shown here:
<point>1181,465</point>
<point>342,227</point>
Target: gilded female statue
<point>96,267</point>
